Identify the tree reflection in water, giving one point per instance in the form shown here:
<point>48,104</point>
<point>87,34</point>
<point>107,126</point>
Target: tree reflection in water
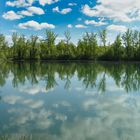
<point>64,116</point>
<point>124,75</point>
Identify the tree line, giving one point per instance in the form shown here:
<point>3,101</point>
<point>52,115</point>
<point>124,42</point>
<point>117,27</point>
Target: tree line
<point>125,47</point>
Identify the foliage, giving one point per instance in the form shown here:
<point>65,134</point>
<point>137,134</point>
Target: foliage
<point>125,47</point>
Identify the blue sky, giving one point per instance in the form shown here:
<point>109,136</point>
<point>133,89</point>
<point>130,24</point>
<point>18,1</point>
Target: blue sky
<point>32,17</point>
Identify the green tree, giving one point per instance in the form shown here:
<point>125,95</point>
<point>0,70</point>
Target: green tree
<point>128,42</point>
<point>118,48</point>
<point>3,47</point>
<point>103,36</point>
<point>50,44</point>
<point>67,37</point>
<point>33,48</point>
<point>14,39</point>
<point>88,46</point>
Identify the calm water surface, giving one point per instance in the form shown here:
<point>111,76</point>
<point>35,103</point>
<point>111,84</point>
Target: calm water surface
<point>73,101</point>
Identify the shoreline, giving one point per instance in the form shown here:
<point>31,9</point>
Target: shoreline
<point>71,61</point>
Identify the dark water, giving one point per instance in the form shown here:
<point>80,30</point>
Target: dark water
<point>73,101</point>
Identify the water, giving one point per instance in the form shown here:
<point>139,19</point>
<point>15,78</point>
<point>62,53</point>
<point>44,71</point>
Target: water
<point>73,101</point>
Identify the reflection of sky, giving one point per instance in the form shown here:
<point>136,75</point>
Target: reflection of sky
<point>74,113</point>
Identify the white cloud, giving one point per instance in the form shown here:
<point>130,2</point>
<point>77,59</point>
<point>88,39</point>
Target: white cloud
<point>79,19</point>
<point>62,104</point>
<point>114,88</point>
<point>26,3</point>
<point>26,13</point>
<point>36,10</point>
<point>44,2</point>
<point>60,117</point>
<point>18,99</point>
<point>87,10</point>
<point>63,11</point>
<point>95,23</point>
<point>12,99</point>
<point>33,104</point>
<point>115,10</point>
<point>69,25</point>
<point>89,104</point>
<point>72,4</point>
<point>79,89</point>
<point>80,26</point>
<point>35,25</point>
<point>91,92</point>
<point>41,37</point>
<point>31,1</point>
<point>22,118</point>
<point>19,3</point>
<point>119,28</point>
<point>33,90</point>
<point>9,39</point>
<point>60,38</point>
<point>11,15</point>
<point>32,10</point>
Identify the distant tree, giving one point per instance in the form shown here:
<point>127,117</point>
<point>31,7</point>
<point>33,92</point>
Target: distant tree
<point>61,48</point>
<point>136,44</point>
<point>125,47</point>
<point>4,53</point>
<point>67,37</point>
<point>2,41</point>
<point>50,38</point>
<point>20,48</point>
<point>128,42</point>
<point>33,47</point>
<point>14,39</point>
<point>87,46</point>
<point>118,48</point>
<point>103,36</point>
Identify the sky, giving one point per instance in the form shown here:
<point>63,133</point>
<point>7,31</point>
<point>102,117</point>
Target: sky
<point>33,17</point>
